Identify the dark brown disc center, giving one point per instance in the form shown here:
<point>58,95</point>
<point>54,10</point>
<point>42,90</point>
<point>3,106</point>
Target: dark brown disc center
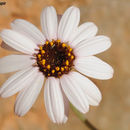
<point>55,58</point>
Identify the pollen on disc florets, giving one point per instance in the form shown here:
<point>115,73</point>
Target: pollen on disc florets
<point>55,58</point>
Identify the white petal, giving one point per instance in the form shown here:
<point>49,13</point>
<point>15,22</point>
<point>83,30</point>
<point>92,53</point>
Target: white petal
<point>18,81</point>
<point>54,100</point>
<point>93,67</point>
<point>28,29</point>
<point>66,106</point>
<point>71,86</point>
<point>15,62</point>
<point>49,23</point>
<point>83,32</point>
<point>28,95</point>
<point>92,92</point>
<point>93,46</point>
<point>68,23</point>
<point>18,41</point>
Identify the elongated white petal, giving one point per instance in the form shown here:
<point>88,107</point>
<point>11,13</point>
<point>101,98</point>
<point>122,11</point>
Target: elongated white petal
<point>18,41</point>
<point>92,92</point>
<point>18,81</point>
<point>15,62</point>
<point>71,87</point>
<point>68,23</point>
<point>93,46</point>
<point>83,32</point>
<point>49,23</point>
<point>93,67</point>
<point>28,29</point>
<point>28,95</point>
<point>66,107</point>
<point>54,100</point>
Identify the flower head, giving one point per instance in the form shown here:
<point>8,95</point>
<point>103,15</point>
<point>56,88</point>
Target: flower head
<point>63,55</point>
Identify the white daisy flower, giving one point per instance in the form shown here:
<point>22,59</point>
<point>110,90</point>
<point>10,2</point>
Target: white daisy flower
<point>63,55</point>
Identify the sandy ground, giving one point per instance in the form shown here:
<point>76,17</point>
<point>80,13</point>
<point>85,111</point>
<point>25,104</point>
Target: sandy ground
<point>112,17</point>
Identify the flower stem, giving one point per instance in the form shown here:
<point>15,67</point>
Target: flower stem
<point>83,118</point>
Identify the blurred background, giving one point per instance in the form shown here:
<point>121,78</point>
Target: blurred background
<point>113,19</point>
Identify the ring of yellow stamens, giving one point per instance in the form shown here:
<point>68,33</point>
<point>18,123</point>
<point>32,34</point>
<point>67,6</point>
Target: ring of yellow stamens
<point>40,47</point>
<point>69,54</point>
<point>67,62</point>
<point>42,51</point>
<point>39,56</point>
<point>62,69</point>
<point>72,57</point>
<point>51,43</point>
<point>63,44</point>
<point>58,41</point>
<point>43,62</point>
<point>70,49</point>
<point>57,68</point>
<point>55,58</point>
<point>47,42</point>
<point>53,71</point>
<point>48,67</point>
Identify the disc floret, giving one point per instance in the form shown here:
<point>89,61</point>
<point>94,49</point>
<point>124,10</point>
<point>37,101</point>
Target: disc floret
<point>55,58</point>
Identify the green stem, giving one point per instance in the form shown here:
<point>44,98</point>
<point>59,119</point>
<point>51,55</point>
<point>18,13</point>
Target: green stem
<point>83,118</point>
